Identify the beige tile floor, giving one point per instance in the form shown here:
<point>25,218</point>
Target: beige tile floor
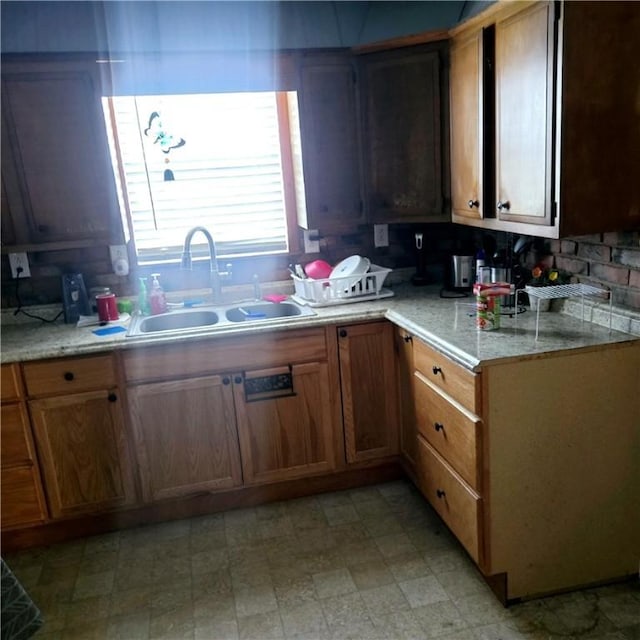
<point>369,564</point>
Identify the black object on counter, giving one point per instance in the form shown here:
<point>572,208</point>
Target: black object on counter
<point>419,278</point>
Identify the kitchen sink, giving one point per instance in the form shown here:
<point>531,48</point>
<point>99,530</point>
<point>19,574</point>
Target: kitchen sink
<point>266,311</point>
<point>200,319</point>
<point>176,321</point>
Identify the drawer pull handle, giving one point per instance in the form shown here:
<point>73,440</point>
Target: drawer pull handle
<point>440,493</point>
<point>112,397</point>
<point>68,375</point>
<point>438,426</point>
<point>436,370</point>
<point>407,338</point>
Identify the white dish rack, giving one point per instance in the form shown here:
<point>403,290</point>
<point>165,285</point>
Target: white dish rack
<point>342,290</point>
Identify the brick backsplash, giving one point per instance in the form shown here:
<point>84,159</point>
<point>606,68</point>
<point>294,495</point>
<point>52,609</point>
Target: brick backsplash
<point>611,260</point>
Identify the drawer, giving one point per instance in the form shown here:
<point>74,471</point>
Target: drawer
<point>223,355</point>
<point>11,388</point>
<point>451,430</point>
<point>456,503</point>
<point>17,446</point>
<point>460,383</point>
<point>69,375</point>
<point>22,500</point>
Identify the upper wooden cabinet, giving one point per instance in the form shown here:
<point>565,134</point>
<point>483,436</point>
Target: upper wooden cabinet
<point>328,110</point>
<point>470,183</point>
<point>402,134</point>
<point>524,107</point>
<point>560,126</point>
<point>55,160</point>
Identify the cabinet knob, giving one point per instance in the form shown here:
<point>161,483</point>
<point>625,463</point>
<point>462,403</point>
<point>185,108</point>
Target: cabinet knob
<point>440,493</point>
<point>238,379</point>
<point>226,380</point>
<point>473,203</point>
<point>68,375</point>
<point>438,426</point>
<point>503,205</point>
<point>112,397</point>
<point>407,338</point>
<point>343,333</point>
<point>436,370</point>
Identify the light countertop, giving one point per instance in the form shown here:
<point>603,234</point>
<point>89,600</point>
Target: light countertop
<point>446,324</point>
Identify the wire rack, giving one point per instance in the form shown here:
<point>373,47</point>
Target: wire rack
<point>579,290</point>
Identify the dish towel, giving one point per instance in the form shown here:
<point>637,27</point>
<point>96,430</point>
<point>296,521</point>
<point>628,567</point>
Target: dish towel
<point>20,616</point>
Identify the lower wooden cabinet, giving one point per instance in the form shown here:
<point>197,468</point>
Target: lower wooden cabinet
<point>369,401</point>
<point>83,452</point>
<point>185,435</point>
<point>22,497</point>
<point>217,423</point>
<point>285,422</point>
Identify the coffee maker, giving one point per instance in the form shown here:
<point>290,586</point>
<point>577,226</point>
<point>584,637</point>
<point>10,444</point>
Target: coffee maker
<point>460,273</point>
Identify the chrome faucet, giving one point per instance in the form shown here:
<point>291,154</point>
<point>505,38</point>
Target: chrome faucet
<point>216,276</point>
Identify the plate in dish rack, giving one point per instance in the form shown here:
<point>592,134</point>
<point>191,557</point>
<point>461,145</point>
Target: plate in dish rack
<point>355,266</point>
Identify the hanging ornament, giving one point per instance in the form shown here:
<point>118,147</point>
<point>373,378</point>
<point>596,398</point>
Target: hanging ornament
<point>168,174</point>
<point>157,132</point>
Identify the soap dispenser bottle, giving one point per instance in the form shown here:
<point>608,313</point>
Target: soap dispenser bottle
<point>157,299</point>
<point>143,298</point>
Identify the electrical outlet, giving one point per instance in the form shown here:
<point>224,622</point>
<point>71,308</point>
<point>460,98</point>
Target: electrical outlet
<point>119,259</point>
<point>311,241</point>
<point>380,235</point>
<point>19,261</point>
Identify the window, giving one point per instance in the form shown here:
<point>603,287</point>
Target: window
<point>222,161</point>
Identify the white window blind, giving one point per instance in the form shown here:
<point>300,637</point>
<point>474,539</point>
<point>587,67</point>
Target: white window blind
<point>227,176</point>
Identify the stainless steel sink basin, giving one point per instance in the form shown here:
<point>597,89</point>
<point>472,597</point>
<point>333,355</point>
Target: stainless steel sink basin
<point>201,319</point>
<point>177,320</point>
<point>266,311</point>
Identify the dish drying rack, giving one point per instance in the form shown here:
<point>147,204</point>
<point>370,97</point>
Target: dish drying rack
<point>552,292</point>
<point>343,289</point>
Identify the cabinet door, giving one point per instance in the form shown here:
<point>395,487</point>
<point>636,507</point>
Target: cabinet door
<point>285,422</point>
<point>22,498</point>
<point>330,147</point>
<point>406,396</point>
<point>524,108</point>
<point>55,158</point>
<point>467,196</point>
<point>185,435</point>
<point>369,403</point>
<point>83,452</point>
<point>402,137</point>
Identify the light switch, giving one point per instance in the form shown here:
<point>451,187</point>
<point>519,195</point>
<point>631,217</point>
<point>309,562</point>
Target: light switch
<point>311,241</point>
